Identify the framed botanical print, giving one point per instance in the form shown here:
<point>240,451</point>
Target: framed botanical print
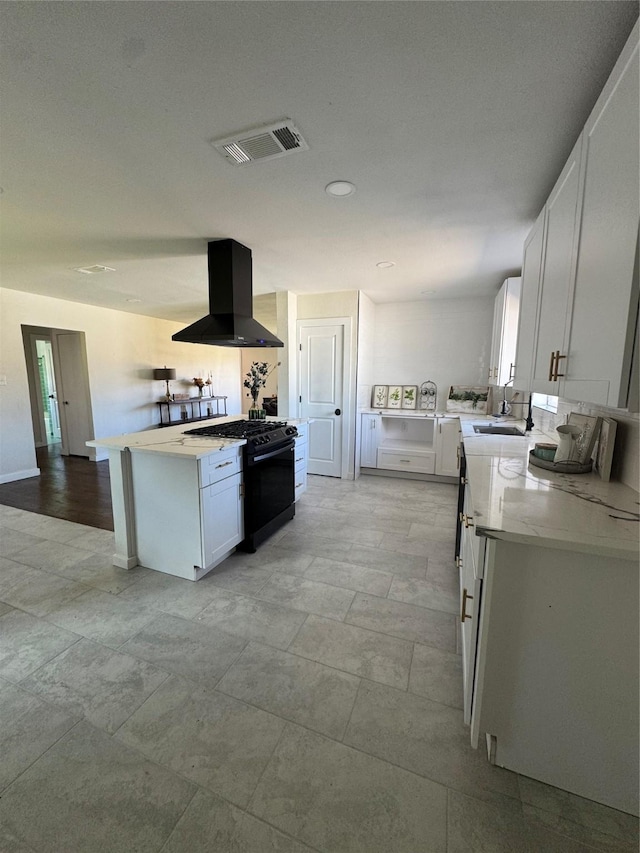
<point>409,396</point>
<point>379,396</point>
<point>394,400</point>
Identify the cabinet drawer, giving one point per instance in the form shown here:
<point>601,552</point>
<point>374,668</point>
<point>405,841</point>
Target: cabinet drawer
<point>300,454</point>
<point>397,460</point>
<point>300,482</point>
<point>219,465</point>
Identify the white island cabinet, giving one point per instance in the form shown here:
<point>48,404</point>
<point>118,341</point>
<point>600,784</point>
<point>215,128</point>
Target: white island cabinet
<point>549,603</point>
<point>188,511</point>
<point>178,499</point>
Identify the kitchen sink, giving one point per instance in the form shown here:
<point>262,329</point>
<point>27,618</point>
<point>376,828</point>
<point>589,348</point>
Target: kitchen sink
<point>497,429</point>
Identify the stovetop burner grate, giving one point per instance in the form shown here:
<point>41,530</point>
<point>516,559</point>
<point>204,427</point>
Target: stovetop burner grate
<point>238,429</point>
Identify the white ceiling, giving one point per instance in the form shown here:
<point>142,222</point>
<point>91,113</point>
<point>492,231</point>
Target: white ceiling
<point>453,119</point>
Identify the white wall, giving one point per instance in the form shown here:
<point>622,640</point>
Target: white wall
<point>445,340</point>
<point>122,350</point>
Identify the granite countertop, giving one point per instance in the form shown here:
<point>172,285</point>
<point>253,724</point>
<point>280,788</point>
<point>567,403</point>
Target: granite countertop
<point>514,501</point>
<point>171,441</point>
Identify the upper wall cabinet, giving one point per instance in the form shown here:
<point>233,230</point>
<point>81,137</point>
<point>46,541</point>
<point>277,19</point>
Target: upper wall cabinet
<point>584,244</point>
<point>530,286</point>
<point>599,342</point>
<point>505,332</point>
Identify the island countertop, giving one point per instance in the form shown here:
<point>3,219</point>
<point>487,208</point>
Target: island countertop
<point>172,441</point>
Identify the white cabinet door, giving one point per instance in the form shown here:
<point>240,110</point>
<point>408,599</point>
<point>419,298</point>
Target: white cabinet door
<point>557,274</point>
<point>505,332</point>
<point>371,425</point>
<point>300,462</point>
<point>472,549</point>
<point>221,518</point>
<point>529,292</point>
<point>448,447</point>
<point>605,302</point>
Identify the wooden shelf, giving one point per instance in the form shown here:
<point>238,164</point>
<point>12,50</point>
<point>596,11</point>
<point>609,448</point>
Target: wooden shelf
<point>191,403</point>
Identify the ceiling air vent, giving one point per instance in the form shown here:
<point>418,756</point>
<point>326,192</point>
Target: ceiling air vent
<point>96,268</point>
<point>261,143</point>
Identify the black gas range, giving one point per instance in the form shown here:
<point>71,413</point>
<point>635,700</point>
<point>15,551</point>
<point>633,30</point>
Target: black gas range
<point>268,474</point>
<point>260,435</point>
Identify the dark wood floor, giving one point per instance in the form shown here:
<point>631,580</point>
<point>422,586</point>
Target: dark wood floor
<point>69,487</point>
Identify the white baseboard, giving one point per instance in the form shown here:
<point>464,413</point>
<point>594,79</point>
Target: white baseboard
<point>19,475</point>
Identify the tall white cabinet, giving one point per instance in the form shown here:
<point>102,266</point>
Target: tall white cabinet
<point>505,333</point>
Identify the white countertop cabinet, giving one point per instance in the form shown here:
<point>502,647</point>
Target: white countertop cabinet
<point>448,447</point>
<point>550,637</point>
<point>410,442</point>
<point>584,305</point>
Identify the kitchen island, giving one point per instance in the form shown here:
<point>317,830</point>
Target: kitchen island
<point>548,568</point>
<point>178,498</point>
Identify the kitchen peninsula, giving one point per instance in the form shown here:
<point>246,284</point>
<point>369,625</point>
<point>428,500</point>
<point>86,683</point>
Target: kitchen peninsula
<point>548,568</point>
<point>178,498</point>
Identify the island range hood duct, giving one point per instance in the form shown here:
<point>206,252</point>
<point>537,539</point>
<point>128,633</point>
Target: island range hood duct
<point>230,323</point>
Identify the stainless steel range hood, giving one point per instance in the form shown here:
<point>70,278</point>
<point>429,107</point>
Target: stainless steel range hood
<point>230,322</point>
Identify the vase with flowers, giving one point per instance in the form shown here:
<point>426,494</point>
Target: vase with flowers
<point>255,380</point>
<point>199,382</point>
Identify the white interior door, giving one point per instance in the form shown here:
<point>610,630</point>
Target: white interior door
<point>74,401</point>
<point>321,371</point>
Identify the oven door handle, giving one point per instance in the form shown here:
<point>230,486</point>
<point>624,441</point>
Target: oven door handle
<point>273,453</point>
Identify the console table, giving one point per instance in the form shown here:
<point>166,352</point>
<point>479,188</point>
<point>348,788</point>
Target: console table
<point>193,409</point>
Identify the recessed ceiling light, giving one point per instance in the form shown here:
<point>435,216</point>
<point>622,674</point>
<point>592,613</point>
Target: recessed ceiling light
<point>340,189</point>
<point>134,300</point>
<point>96,268</point>
<point>384,265</point>
<point>427,292</point>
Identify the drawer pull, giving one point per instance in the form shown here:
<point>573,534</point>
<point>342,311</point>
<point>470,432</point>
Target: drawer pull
<point>300,459</point>
<point>224,464</point>
<point>463,610</point>
<point>298,485</point>
<point>468,520</point>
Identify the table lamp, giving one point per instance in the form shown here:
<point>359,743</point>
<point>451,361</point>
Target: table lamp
<point>165,373</point>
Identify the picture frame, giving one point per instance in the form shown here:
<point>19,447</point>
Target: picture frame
<point>590,425</point>
<point>409,396</point>
<point>379,396</point>
<point>394,399</point>
<point>468,398</point>
<point>604,453</point>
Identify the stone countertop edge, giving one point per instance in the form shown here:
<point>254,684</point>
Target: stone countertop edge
<point>171,441</point>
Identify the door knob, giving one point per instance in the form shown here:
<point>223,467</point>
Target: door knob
<point>337,412</point>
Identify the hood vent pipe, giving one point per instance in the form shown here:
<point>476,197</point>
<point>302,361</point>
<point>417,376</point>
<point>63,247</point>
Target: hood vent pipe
<point>230,322</point>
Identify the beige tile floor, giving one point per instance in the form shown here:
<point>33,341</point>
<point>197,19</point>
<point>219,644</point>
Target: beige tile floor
<point>304,698</point>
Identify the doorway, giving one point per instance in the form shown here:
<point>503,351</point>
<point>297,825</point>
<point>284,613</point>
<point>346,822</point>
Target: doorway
<point>48,391</point>
<point>59,391</point>
<point>323,380</point>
